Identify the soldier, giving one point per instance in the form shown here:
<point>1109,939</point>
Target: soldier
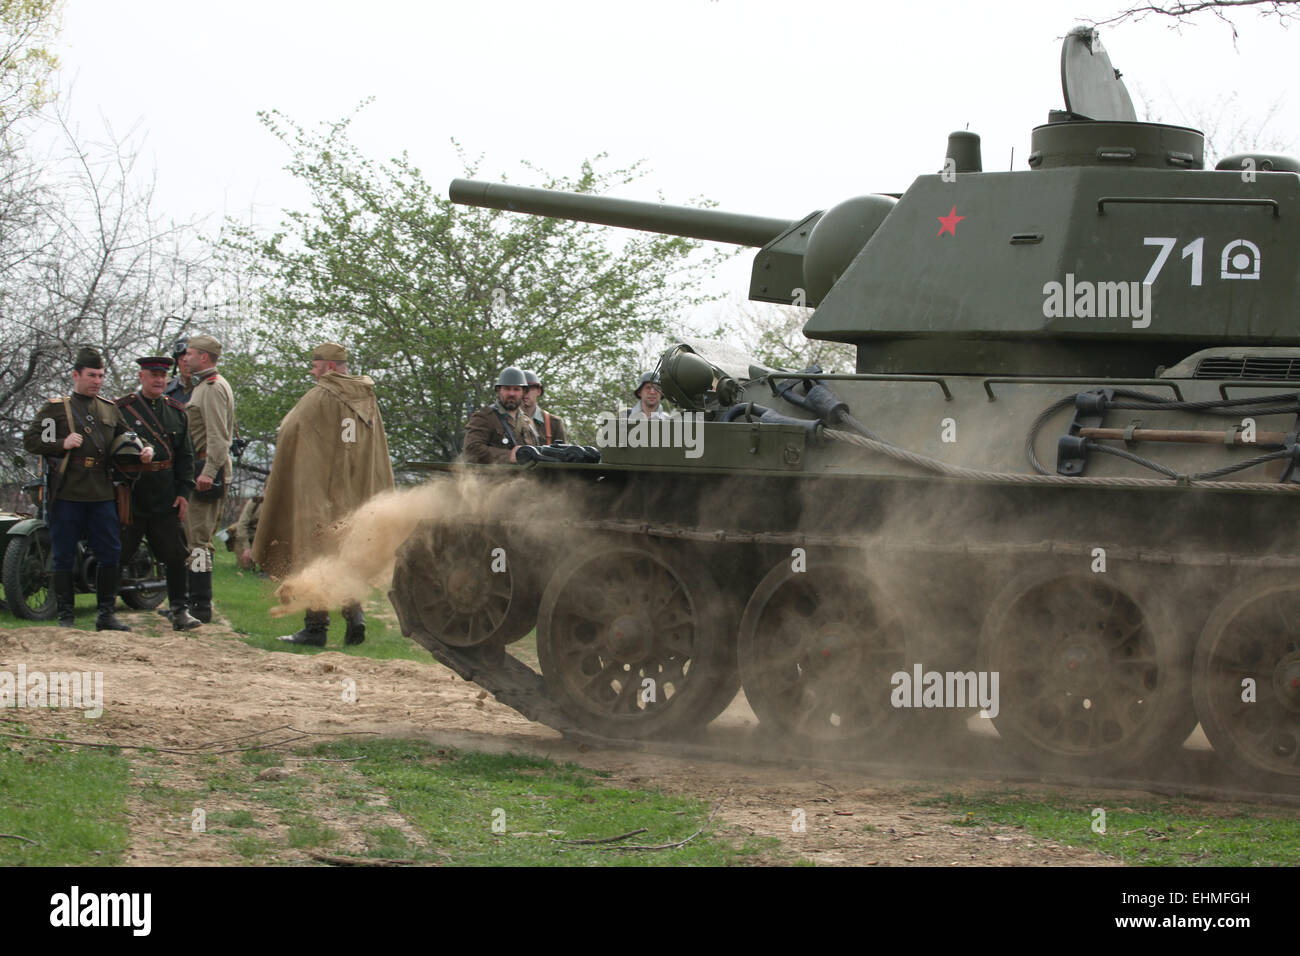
<point>211,411</point>
<point>649,395</point>
<point>331,456</point>
<point>495,431</point>
<point>549,428</point>
<point>160,496</point>
<point>79,430</point>
<point>182,385</point>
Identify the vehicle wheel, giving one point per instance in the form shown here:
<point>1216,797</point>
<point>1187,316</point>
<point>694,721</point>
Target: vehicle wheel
<point>465,585</point>
<point>144,569</point>
<point>637,641</point>
<point>1092,677</point>
<point>818,649</point>
<point>1247,680</point>
<point>28,566</point>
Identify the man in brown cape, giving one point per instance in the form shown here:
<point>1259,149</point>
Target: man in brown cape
<point>331,456</point>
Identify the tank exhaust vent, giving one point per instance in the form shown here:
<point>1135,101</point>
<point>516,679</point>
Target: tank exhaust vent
<point>1267,367</point>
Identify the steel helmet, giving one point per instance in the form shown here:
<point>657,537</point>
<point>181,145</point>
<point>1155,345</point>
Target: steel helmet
<point>647,378</point>
<point>534,380</point>
<point>511,376</point>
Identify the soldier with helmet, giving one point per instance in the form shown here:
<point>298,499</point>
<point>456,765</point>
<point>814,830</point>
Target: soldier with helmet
<point>549,428</point>
<point>180,387</point>
<point>160,495</point>
<point>495,431</point>
<point>649,394</point>
<point>78,434</point>
<point>211,411</point>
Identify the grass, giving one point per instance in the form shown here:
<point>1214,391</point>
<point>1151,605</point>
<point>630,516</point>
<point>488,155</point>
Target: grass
<point>245,598</point>
<point>1153,833</point>
<point>509,810</point>
<point>72,802</point>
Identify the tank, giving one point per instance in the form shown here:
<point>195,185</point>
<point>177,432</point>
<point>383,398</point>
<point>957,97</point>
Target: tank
<point>1056,494</point>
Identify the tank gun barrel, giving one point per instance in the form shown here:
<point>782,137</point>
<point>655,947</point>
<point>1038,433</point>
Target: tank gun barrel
<point>709,224</point>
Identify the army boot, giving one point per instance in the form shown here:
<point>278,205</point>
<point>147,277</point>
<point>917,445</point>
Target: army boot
<point>65,598</point>
<point>356,618</point>
<point>313,630</point>
<point>106,581</point>
<point>201,595</point>
<point>176,581</point>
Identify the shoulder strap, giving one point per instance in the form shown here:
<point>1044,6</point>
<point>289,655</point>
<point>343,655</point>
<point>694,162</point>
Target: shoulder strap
<point>67,410</point>
<point>547,417</point>
<point>159,431</point>
<point>509,431</point>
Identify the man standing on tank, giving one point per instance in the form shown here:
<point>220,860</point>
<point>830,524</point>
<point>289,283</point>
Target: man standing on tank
<point>75,434</point>
<point>649,395</point>
<point>495,431</point>
<point>160,495</point>
<point>211,411</point>
<point>549,428</point>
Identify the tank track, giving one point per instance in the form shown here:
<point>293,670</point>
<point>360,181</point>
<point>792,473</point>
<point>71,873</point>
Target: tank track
<point>515,684</point>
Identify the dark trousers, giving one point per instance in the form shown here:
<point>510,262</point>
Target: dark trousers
<point>165,535</point>
<point>96,521</point>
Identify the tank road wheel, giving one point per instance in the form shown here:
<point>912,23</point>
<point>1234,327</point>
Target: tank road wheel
<point>637,642</point>
<point>460,589</point>
<point>28,570</point>
<point>817,652</point>
<point>1090,680</point>
<point>1253,635</point>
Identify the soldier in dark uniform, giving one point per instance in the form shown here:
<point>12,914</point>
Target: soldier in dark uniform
<point>75,433</point>
<point>183,384</point>
<point>160,496</point>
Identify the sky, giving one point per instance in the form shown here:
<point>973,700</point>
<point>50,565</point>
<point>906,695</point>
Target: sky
<point>768,108</point>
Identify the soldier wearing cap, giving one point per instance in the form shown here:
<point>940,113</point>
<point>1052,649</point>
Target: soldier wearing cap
<point>649,395</point>
<point>182,385</point>
<point>77,433</point>
<point>211,411</point>
<point>160,495</point>
<point>495,431</point>
<point>331,456</point>
<point>549,428</point>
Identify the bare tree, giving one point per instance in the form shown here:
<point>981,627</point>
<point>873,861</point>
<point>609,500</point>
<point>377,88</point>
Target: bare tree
<point>84,259</point>
<point>1180,12</point>
<point>773,335</point>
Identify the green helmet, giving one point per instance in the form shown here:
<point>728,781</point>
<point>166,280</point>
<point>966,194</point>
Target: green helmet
<point>512,376</point>
<point>647,378</point>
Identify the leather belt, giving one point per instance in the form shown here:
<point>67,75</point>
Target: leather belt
<point>152,466</point>
<point>87,462</point>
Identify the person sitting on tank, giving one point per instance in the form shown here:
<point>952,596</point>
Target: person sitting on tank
<point>494,433</point>
<point>549,428</point>
<point>649,396</point>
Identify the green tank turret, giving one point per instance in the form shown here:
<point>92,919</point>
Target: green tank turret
<point>1056,492</point>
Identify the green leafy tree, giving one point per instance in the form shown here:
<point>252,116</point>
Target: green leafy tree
<point>433,299</point>
<point>26,29</point>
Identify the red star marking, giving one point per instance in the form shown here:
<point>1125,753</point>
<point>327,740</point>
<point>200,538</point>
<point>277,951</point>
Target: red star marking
<point>949,222</point>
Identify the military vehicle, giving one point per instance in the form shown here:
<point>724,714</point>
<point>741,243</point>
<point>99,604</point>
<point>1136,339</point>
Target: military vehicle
<point>1058,488</point>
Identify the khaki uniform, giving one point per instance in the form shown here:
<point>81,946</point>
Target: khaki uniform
<point>211,411</point>
<point>545,435</point>
<point>486,439</point>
